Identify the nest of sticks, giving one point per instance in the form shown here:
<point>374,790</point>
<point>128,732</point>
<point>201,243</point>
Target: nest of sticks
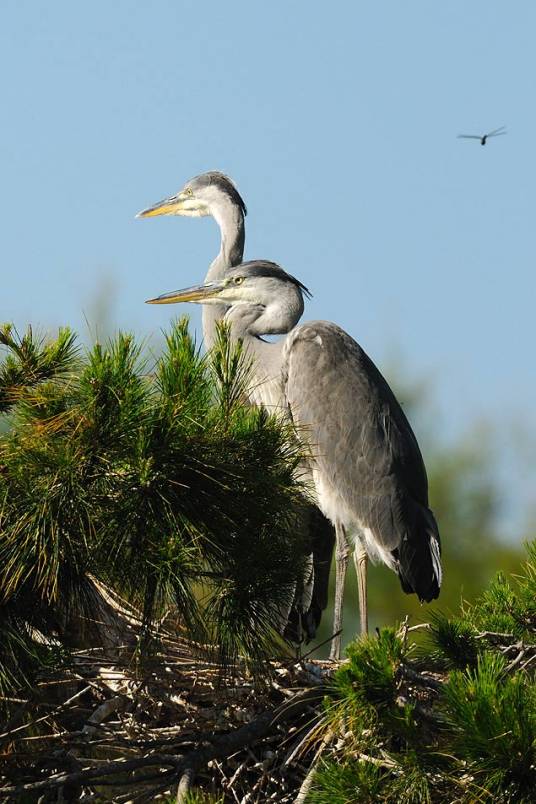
<point>121,724</point>
<point>111,727</point>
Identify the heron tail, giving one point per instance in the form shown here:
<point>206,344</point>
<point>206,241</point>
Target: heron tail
<point>419,557</point>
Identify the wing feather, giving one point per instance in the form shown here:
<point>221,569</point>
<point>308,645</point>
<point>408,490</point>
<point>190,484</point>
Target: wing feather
<point>357,427</point>
<point>362,443</point>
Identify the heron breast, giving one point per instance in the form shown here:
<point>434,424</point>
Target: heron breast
<point>269,394</point>
<point>334,507</point>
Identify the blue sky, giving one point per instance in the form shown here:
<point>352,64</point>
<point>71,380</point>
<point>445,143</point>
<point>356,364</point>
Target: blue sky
<point>338,122</point>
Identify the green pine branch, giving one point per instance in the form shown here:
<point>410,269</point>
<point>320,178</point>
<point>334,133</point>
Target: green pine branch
<point>29,361</point>
<point>164,485</point>
<point>455,721</point>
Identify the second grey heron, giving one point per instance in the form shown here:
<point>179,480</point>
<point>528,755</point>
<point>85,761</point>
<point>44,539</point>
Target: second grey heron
<point>214,194</point>
<point>366,467</point>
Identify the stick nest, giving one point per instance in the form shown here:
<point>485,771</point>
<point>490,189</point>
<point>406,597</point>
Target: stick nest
<point>109,726</point>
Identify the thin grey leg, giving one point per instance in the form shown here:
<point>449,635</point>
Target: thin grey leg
<point>341,564</point>
<point>361,562</point>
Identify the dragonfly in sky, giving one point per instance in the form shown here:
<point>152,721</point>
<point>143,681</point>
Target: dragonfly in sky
<point>483,137</point>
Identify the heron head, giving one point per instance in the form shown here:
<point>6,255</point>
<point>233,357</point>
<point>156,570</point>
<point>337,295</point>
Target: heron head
<point>203,195</point>
<point>258,285</point>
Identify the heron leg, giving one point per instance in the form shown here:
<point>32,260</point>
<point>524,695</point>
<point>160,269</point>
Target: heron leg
<point>341,564</point>
<point>361,562</point>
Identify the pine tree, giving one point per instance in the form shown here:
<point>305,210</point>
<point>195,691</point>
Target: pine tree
<point>152,488</point>
<point>156,481</point>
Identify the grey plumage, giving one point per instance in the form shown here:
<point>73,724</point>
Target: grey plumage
<point>265,268</point>
<point>365,467</point>
<point>224,183</point>
<point>365,450</point>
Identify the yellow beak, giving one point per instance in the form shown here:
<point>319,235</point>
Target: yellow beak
<point>169,206</point>
<point>181,204</point>
<point>197,293</point>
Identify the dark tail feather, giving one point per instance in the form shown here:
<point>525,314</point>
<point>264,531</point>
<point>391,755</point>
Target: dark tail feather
<point>302,625</point>
<point>419,557</point>
<point>323,538</point>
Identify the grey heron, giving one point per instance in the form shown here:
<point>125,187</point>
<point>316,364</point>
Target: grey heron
<point>210,194</point>
<point>215,194</point>
<point>366,468</point>
<point>497,132</point>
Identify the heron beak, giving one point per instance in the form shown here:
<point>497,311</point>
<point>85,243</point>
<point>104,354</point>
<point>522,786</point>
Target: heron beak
<point>180,204</point>
<point>162,208</point>
<point>169,206</point>
<point>197,293</point>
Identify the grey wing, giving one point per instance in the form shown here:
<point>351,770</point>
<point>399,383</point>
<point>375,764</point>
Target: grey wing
<point>497,132</point>
<point>360,434</point>
<point>363,445</point>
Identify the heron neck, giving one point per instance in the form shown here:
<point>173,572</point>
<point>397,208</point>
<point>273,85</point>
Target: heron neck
<point>230,219</point>
<point>266,381</point>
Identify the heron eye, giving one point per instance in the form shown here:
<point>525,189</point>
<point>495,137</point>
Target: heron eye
<point>238,280</point>
<point>188,191</point>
